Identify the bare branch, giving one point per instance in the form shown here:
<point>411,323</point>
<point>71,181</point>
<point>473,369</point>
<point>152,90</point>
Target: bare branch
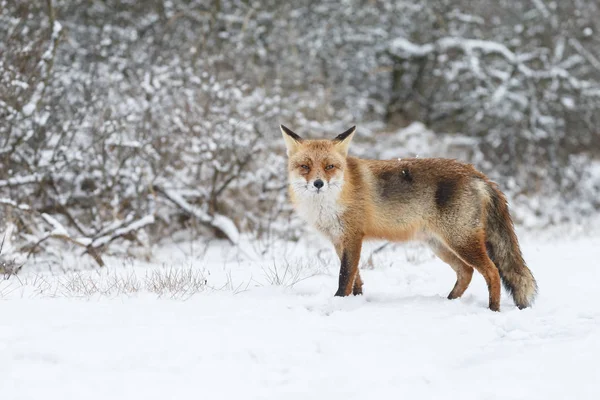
<point>21,180</point>
<point>218,222</point>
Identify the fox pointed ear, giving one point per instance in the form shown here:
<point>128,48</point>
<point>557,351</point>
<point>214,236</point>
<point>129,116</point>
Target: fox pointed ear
<point>292,141</point>
<point>342,141</point>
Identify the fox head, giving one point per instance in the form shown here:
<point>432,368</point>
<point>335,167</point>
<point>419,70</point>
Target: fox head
<point>316,167</point>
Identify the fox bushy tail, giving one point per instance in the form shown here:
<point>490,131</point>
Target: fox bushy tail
<point>503,249</point>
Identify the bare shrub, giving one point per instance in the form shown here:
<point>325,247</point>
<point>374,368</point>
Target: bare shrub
<point>179,283</point>
<point>175,282</point>
<point>8,266</point>
<point>125,123</point>
<point>287,274</point>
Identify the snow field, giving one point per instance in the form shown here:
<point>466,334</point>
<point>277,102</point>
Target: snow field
<point>243,335</point>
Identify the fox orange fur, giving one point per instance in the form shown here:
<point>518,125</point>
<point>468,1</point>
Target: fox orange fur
<point>456,209</point>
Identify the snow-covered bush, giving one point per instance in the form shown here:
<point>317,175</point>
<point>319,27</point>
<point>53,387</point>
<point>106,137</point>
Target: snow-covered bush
<point>519,77</point>
<point>128,122</point>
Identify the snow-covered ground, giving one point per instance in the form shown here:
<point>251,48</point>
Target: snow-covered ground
<point>256,332</point>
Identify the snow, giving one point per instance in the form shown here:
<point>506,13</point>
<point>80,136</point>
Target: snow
<point>30,107</point>
<point>568,102</point>
<point>404,48</point>
<point>221,222</point>
<point>13,203</point>
<point>21,180</point>
<point>585,53</point>
<point>244,337</point>
<point>485,46</point>
<point>402,45</point>
<point>539,4</point>
<point>44,67</point>
<point>58,229</point>
<point>56,30</point>
<point>132,227</point>
<point>227,226</point>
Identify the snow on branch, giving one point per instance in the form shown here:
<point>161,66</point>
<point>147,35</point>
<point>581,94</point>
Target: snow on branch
<point>45,64</point>
<point>402,47</point>
<point>21,180</point>
<point>219,222</point>
<point>123,231</point>
<point>91,244</point>
<point>576,44</point>
<point>58,229</point>
<point>405,49</point>
<point>14,204</point>
<point>60,232</point>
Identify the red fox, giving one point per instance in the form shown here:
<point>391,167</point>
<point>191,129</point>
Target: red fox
<point>456,209</point>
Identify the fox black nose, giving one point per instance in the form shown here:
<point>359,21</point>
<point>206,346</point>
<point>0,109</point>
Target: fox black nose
<point>318,184</point>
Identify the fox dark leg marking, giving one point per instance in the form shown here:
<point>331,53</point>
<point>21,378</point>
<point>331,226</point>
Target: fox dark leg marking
<point>358,283</point>
<point>474,253</point>
<point>444,192</point>
<point>349,269</point>
<point>344,277</point>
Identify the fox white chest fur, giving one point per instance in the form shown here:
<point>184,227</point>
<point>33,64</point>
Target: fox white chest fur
<point>321,210</point>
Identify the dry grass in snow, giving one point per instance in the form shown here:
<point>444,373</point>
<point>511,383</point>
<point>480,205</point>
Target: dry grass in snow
<point>172,282</point>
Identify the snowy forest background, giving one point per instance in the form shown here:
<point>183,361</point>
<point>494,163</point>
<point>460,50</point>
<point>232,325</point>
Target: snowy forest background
<point>126,123</point>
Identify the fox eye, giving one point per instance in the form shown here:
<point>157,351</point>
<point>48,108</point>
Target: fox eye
<point>306,167</point>
<point>330,166</point>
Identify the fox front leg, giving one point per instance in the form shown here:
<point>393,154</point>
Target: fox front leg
<point>349,278</point>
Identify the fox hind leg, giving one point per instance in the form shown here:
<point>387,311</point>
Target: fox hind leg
<point>464,272</point>
<point>474,253</point>
<point>463,279</point>
<point>358,284</point>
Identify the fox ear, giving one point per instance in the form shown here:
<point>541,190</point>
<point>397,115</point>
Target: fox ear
<point>291,139</point>
<point>342,141</point>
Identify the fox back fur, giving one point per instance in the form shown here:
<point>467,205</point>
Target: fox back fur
<point>457,210</point>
